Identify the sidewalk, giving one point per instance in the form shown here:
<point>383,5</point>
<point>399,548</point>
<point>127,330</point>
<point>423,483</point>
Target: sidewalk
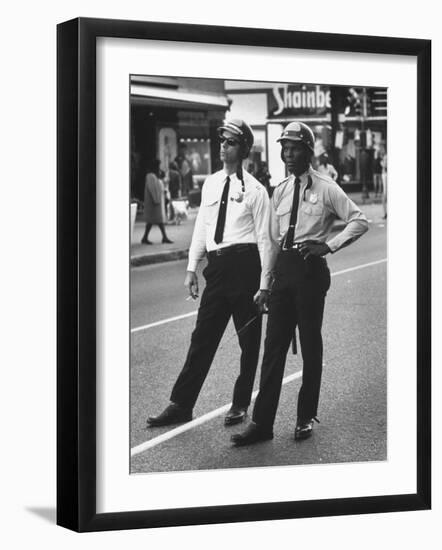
<point>181,235</point>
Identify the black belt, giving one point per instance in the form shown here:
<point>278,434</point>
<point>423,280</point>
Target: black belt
<point>294,248</point>
<point>234,249</point>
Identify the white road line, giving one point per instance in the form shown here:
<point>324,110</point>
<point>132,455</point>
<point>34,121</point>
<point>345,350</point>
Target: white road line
<point>197,422</point>
<point>361,266</point>
<point>221,410</point>
<point>164,321</point>
<point>192,313</point>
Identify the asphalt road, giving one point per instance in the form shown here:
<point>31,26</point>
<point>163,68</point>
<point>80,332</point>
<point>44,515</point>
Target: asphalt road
<point>352,407</point>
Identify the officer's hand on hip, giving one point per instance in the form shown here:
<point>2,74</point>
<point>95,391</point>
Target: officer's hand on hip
<point>309,248</point>
<point>261,299</point>
<point>191,283</point>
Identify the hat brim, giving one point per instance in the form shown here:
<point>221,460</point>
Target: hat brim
<point>297,140</point>
<point>289,138</point>
<point>232,128</point>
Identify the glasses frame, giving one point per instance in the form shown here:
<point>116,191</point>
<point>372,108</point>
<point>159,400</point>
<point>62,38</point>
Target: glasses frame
<point>229,141</point>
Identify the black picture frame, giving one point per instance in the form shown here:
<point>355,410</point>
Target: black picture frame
<point>76,274</point>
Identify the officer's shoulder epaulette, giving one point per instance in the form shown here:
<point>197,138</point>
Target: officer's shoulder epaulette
<point>283,181</point>
<point>251,181</point>
<point>321,177</point>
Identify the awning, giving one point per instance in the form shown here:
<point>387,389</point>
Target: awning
<point>151,95</point>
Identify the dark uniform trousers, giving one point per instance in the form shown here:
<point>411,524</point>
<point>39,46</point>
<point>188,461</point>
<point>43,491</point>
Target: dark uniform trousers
<point>232,279</point>
<point>297,299</point>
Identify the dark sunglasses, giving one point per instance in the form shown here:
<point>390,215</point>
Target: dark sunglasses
<point>231,142</point>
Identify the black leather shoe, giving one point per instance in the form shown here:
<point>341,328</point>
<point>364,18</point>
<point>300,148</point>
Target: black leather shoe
<point>235,415</point>
<point>304,428</point>
<point>167,240</point>
<point>252,434</point>
<point>172,414</point>
<point>145,241</point>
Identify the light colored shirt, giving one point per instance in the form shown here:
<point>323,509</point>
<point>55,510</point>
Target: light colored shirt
<point>247,219</point>
<point>319,207</point>
<point>328,170</point>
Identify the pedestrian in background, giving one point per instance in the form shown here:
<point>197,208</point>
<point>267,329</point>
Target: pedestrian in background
<point>377,174</point>
<point>154,202</point>
<point>174,181</point>
<point>326,168</point>
<point>384,185</point>
<point>264,177</point>
<point>232,228</point>
<point>303,209</point>
<point>186,177</point>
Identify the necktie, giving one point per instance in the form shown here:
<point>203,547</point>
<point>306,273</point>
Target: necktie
<point>219,231</point>
<point>289,239</point>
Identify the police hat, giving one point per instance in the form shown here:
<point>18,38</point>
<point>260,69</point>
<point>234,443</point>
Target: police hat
<point>298,131</point>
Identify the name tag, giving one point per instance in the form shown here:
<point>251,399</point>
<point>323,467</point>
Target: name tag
<point>238,196</point>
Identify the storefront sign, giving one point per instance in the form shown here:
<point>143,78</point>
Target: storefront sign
<point>299,100</point>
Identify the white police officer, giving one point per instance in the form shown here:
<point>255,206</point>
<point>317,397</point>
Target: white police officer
<point>303,209</point>
<point>232,228</point>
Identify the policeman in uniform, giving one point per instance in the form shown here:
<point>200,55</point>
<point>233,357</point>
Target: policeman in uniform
<point>303,209</point>
<point>232,228</point>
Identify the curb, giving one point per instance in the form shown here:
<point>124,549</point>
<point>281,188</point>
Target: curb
<point>159,257</point>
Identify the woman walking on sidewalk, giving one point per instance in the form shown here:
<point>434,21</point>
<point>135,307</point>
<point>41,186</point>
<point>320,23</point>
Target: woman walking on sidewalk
<point>154,205</point>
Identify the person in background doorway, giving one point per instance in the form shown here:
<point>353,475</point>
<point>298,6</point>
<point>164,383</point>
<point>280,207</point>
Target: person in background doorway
<point>154,202</point>
<point>186,177</point>
<point>174,181</point>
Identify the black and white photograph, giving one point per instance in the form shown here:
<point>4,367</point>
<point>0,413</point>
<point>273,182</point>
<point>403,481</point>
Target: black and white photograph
<point>201,352</point>
<point>251,320</point>
<point>258,273</point>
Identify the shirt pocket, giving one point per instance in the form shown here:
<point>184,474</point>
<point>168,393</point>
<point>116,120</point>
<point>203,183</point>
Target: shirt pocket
<point>237,209</point>
<point>312,209</point>
<point>211,207</point>
<point>283,212</point>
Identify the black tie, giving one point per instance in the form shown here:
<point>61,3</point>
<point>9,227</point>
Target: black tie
<point>219,231</point>
<point>289,239</point>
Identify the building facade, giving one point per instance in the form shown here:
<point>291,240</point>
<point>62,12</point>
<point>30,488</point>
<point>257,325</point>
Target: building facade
<point>175,120</point>
<point>350,124</point>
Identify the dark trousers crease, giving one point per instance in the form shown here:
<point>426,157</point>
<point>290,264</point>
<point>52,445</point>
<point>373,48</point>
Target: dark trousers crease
<point>231,283</point>
<point>297,298</point>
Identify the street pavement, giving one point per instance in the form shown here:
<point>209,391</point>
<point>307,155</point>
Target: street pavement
<point>353,397</point>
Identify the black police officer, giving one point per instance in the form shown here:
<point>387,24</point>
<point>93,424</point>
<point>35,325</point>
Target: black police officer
<point>303,209</point>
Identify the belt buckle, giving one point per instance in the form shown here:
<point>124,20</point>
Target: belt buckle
<point>219,251</point>
<point>294,247</point>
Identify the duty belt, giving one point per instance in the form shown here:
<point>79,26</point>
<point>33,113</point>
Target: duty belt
<point>295,246</point>
<point>234,249</point>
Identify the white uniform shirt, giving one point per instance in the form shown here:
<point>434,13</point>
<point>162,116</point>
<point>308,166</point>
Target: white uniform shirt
<point>247,219</point>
